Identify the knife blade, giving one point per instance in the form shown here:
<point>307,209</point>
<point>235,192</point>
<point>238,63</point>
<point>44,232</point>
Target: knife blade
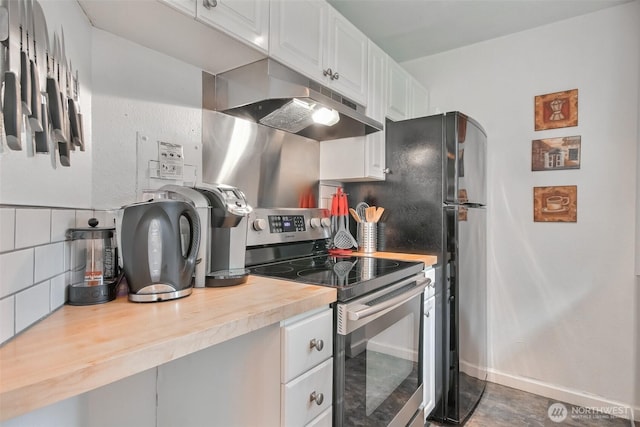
<point>74,112</point>
<point>25,68</point>
<point>35,118</point>
<point>63,142</point>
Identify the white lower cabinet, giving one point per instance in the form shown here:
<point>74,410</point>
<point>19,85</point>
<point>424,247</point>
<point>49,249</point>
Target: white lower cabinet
<point>306,387</point>
<point>429,355</point>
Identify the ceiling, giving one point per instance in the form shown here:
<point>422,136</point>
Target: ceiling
<point>409,29</point>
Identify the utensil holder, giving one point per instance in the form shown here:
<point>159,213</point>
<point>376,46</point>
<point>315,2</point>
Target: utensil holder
<point>367,237</point>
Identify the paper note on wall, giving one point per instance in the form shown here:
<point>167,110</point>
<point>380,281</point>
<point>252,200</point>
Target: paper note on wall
<point>171,158</point>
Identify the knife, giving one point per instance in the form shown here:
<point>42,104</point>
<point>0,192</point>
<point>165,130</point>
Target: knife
<point>11,103</point>
<point>25,68</point>
<point>35,119</point>
<point>74,112</point>
<point>55,104</point>
<point>66,92</point>
<point>43,140</point>
<point>64,144</point>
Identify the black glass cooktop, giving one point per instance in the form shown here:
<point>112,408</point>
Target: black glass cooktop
<point>352,276</point>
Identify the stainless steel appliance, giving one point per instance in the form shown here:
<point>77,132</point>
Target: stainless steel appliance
<point>378,317</point>
<point>436,194</point>
<point>223,211</point>
<point>156,264</point>
<point>271,94</point>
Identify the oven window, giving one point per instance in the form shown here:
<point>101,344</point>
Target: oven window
<point>381,366</point>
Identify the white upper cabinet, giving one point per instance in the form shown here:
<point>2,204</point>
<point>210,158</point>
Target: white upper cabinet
<point>398,86</point>
<point>406,98</point>
<point>346,57</point>
<point>314,39</point>
<point>246,20</point>
<point>419,100</point>
<point>361,158</point>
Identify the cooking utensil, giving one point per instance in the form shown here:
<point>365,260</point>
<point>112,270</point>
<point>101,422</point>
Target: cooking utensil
<point>379,212</point>
<point>355,215</point>
<point>65,88</point>
<point>74,118</point>
<point>361,210</point>
<point>35,118</point>
<point>342,238</point>
<point>25,63</point>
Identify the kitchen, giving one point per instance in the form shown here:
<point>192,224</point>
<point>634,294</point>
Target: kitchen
<point>554,309</point>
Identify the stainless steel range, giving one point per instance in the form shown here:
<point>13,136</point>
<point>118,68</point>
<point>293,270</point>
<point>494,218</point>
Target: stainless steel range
<point>378,318</point>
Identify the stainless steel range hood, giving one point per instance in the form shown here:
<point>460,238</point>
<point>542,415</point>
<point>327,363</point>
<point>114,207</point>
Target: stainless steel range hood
<point>271,94</point>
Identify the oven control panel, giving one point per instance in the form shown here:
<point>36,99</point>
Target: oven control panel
<point>269,226</point>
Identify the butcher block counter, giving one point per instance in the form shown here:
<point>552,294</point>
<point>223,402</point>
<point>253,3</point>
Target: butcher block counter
<point>428,260</point>
<point>78,349</point>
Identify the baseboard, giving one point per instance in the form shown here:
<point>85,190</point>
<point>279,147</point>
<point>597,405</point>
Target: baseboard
<point>561,394</point>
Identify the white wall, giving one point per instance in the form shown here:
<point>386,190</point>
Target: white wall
<point>561,305</point>
<point>139,91</point>
<point>32,180</point>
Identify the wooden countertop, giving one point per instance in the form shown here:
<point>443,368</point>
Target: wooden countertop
<point>77,349</point>
<point>427,259</point>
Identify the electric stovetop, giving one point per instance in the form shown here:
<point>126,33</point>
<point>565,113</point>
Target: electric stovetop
<point>351,276</point>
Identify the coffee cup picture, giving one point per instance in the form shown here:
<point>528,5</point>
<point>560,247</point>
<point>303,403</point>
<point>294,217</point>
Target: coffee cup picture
<point>556,203</point>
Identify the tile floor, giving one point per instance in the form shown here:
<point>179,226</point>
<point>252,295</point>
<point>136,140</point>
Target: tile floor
<point>502,406</point>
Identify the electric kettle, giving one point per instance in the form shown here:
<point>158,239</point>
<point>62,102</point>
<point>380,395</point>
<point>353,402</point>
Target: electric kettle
<point>158,255</point>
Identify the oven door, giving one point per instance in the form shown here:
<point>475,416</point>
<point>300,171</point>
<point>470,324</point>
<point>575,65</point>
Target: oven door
<point>378,356</point>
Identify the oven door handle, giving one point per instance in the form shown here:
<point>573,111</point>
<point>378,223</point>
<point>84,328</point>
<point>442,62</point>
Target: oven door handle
<point>391,302</point>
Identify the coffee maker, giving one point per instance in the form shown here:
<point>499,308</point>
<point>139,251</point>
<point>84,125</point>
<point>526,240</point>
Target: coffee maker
<point>223,212</point>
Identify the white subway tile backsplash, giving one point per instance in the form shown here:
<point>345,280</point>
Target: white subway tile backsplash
<point>49,261</point>
<point>7,318</point>
<point>31,305</point>
<point>33,227</point>
<point>61,220</point>
<point>58,291</point>
<point>16,271</point>
<point>7,229</point>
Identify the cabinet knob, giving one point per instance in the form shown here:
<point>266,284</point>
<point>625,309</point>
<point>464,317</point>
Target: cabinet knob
<point>209,3</point>
<point>386,171</point>
<point>316,397</point>
<point>318,344</point>
<point>328,72</point>
<point>427,314</point>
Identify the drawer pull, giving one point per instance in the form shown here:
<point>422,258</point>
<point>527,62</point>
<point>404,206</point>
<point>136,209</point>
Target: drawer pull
<point>318,344</point>
<point>316,397</point>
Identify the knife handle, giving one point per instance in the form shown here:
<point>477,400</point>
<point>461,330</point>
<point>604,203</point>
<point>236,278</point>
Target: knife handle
<point>42,138</point>
<point>74,122</point>
<point>25,83</point>
<point>65,154</point>
<point>35,118</point>
<point>11,111</point>
<point>55,109</point>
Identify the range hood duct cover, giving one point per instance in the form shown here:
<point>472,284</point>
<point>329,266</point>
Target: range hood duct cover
<point>267,92</point>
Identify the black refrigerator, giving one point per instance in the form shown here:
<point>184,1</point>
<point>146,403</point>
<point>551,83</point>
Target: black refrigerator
<point>435,195</point>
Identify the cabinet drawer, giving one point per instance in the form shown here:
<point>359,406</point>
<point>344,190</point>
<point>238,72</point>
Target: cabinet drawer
<point>299,353</point>
<point>298,395</point>
<point>322,420</point>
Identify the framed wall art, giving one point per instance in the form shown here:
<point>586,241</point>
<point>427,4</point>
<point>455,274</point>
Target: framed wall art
<point>555,153</point>
<point>555,204</point>
<point>556,110</point>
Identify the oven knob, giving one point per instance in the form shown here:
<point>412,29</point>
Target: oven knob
<point>315,223</point>
<point>326,222</point>
<point>259,224</point>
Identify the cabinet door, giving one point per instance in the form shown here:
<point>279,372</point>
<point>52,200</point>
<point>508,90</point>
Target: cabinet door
<point>246,20</point>
<point>346,56</point>
<point>429,355</point>
<point>298,33</point>
<point>307,396</point>
<point>187,7</point>
<point>374,145</point>
<point>419,100</point>
<point>398,81</point>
